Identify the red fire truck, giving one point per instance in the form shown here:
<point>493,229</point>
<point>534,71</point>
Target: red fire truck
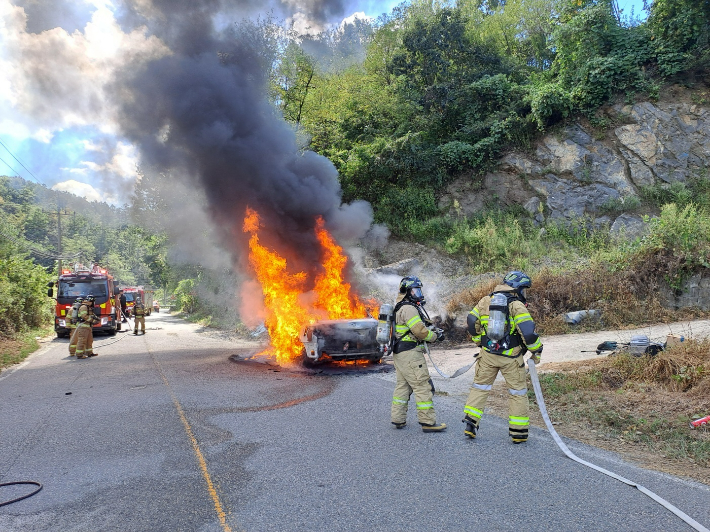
<point>81,282</point>
<point>132,293</point>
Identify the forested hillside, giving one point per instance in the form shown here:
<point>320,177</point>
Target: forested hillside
<point>403,106</point>
<point>446,87</point>
<point>31,217</point>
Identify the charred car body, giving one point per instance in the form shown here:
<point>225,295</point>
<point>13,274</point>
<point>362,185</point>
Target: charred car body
<point>341,340</point>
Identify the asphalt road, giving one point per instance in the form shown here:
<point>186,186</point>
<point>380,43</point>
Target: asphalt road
<point>164,432</point>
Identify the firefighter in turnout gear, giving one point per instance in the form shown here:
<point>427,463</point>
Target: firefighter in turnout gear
<point>72,324</point>
<point>502,326</point>
<point>138,316</point>
<point>84,332</point>
<point>411,330</point>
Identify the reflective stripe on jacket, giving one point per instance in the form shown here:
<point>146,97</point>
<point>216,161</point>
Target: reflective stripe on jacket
<point>409,327</point>
<point>86,316</point>
<point>520,325</point>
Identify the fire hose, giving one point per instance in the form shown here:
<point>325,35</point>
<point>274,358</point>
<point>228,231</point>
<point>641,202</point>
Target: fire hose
<point>117,340</point>
<point>457,373</point>
<point>543,410</point>
<point>17,483</point>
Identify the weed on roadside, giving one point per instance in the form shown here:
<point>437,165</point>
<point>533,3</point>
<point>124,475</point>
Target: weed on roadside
<point>15,350</point>
<point>645,401</point>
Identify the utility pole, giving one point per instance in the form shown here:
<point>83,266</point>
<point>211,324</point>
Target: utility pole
<point>59,236</point>
<point>59,239</point>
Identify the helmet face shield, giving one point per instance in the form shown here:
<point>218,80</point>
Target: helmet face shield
<point>416,294</point>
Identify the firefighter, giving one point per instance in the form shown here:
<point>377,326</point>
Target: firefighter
<point>84,329</point>
<point>138,316</point>
<point>504,355</point>
<point>411,321</point>
<point>72,324</point>
<point>122,301</point>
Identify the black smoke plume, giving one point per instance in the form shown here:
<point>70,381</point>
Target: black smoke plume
<point>202,112</point>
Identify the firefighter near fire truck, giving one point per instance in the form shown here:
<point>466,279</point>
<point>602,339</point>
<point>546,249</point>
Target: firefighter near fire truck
<point>410,332</point>
<point>73,322</point>
<point>84,329</point>
<point>80,282</point>
<point>138,316</point>
<point>502,326</point>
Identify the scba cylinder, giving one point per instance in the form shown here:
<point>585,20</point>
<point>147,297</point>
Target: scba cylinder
<point>384,324</point>
<point>497,316</point>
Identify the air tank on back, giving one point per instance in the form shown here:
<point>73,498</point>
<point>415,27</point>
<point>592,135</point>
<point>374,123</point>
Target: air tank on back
<point>384,324</point>
<point>497,316</point>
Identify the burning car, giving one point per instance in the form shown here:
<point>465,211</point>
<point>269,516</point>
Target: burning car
<point>341,340</point>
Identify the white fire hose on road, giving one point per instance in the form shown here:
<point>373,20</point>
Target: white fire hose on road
<point>543,410</point>
<point>457,373</point>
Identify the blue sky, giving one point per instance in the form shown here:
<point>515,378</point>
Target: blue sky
<point>54,115</point>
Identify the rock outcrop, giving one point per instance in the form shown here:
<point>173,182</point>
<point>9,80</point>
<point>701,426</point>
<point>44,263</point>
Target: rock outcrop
<point>571,174</point>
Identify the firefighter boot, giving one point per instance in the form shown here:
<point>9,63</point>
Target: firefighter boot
<point>471,427</point>
<point>433,427</point>
<point>399,425</point>
<point>92,354</point>
<point>135,333</point>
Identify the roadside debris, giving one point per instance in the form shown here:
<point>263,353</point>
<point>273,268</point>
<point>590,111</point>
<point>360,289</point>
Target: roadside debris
<point>639,345</point>
<point>575,318</point>
<point>702,422</point>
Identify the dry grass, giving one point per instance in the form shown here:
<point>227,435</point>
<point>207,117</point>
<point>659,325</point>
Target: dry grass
<point>640,405</point>
<point>15,350</point>
<point>684,367</point>
<point>627,297</point>
<point>468,298</point>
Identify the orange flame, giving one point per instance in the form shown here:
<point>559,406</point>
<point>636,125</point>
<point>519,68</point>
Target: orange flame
<point>287,311</point>
<point>333,292</point>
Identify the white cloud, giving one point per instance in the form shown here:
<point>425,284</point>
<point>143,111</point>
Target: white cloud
<point>90,145</point>
<point>80,189</point>
<point>53,80</point>
<point>360,15</point>
<point>122,163</point>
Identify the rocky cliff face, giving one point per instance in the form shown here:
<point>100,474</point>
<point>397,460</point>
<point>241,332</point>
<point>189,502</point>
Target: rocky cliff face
<point>572,174</point>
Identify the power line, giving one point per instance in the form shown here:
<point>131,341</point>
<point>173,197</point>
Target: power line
<point>23,166</point>
<point>10,167</point>
<point>40,252</point>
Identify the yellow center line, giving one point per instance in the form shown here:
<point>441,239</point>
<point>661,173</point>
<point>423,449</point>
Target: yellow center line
<point>221,514</point>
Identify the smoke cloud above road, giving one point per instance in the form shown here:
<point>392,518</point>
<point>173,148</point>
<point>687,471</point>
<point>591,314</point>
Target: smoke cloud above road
<point>201,112</point>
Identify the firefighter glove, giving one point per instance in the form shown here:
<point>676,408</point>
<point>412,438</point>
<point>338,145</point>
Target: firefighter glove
<point>535,356</point>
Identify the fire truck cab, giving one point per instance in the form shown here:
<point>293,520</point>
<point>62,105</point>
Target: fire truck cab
<point>82,282</point>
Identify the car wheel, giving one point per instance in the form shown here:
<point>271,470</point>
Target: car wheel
<point>377,360</point>
<point>112,332</point>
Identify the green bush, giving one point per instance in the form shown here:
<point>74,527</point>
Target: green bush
<point>495,242</point>
<point>621,204</point>
<point>683,232</point>
<point>456,155</point>
<point>186,297</point>
<point>23,299</point>
<point>549,103</point>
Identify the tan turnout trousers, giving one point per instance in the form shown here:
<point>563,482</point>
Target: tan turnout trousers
<point>139,320</point>
<point>513,371</point>
<point>72,341</point>
<point>85,340</point>
<point>413,376</point>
